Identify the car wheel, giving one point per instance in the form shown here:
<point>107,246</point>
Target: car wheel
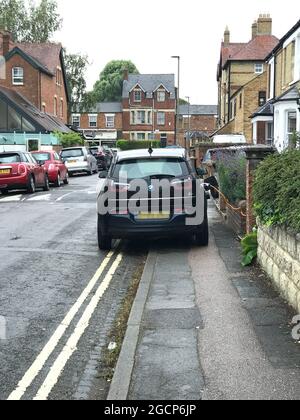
<point>90,172</point>
<point>104,241</point>
<point>57,183</point>
<point>66,180</point>
<point>46,185</point>
<point>4,191</point>
<point>202,234</point>
<point>31,188</point>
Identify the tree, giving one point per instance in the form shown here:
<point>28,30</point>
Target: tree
<point>109,87</point>
<point>76,66</point>
<point>69,139</point>
<point>30,23</point>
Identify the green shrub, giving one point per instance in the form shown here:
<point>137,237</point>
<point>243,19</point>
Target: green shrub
<point>134,145</point>
<point>69,139</point>
<point>277,190</point>
<point>231,169</point>
<point>249,246</point>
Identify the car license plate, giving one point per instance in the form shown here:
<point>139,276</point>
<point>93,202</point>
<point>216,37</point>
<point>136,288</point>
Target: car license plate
<point>4,171</point>
<point>164,215</point>
<point>72,161</point>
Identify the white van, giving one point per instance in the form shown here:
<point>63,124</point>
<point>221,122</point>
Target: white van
<point>229,139</point>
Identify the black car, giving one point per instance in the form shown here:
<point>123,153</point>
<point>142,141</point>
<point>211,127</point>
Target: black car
<point>104,156</point>
<point>132,202</point>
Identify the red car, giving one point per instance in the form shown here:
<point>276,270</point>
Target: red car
<point>56,169</point>
<point>19,170</point>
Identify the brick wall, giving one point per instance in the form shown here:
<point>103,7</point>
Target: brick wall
<point>279,255</point>
<point>101,121</point>
<point>50,90</point>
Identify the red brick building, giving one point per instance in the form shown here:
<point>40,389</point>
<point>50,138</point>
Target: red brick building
<point>103,123</point>
<point>149,107</point>
<point>197,123</point>
<point>37,72</point>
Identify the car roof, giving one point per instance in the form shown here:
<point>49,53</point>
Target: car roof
<point>157,153</point>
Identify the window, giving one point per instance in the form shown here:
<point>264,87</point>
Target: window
<point>163,139</point>
<point>161,118</point>
<point>141,136</point>
<point>241,100</point>
<point>269,133</point>
<point>55,107</point>
<point>259,68</point>
<point>291,124</point>
<point>137,96</point>
<point>93,121</point>
<point>141,117</point>
<point>62,108</point>
<point>76,121</point>
<point>18,76</point>
<point>132,117</point>
<point>110,121</point>
<point>44,108</point>
<point>262,98</point>
<point>234,108</point>
<point>149,117</point>
<point>58,77</point>
<point>161,96</point>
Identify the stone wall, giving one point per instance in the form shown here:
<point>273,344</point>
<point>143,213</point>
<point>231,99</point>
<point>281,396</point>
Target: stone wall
<point>279,255</point>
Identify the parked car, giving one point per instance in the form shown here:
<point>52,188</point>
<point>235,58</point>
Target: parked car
<point>78,160</point>
<point>19,170</point>
<point>56,169</point>
<point>104,156</point>
<point>120,221</point>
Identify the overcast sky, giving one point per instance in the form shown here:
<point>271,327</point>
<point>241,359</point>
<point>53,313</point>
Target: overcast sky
<point>150,32</point>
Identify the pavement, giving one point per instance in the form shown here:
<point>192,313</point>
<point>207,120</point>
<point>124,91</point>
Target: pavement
<point>204,328</point>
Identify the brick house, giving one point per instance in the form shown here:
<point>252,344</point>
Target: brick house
<point>279,118</point>
<point>102,124</point>
<point>149,107</point>
<point>197,122</point>
<point>37,72</point>
<point>241,68</point>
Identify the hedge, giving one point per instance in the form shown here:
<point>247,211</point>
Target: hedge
<point>231,169</point>
<point>277,190</point>
<point>69,139</point>
<point>133,144</point>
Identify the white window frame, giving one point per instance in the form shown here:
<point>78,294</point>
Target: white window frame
<point>112,118</point>
<point>289,133</point>
<point>161,92</point>
<point>92,122</point>
<point>159,114</point>
<point>19,76</point>
<point>260,66</point>
<point>77,116</point>
<point>138,119</point>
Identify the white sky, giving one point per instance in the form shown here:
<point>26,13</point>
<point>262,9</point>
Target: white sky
<point>150,32</point>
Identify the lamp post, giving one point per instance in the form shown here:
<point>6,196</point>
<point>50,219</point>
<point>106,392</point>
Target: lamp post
<point>177,57</point>
<point>188,145</point>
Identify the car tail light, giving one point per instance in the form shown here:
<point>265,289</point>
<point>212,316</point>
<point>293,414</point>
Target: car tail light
<point>100,154</point>
<point>115,212</point>
<point>22,169</point>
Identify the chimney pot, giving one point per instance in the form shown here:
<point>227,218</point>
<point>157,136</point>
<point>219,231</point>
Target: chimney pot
<point>227,36</point>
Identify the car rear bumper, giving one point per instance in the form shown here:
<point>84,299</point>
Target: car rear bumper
<point>126,227</point>
<point>82,167</point>
<point>14,183</point>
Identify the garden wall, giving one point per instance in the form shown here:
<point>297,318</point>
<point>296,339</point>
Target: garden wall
<point>279,255</point>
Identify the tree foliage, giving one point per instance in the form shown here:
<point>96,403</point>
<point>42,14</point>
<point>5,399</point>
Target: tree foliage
<point>109,87</point>
<point>76,66</point>
<point>29,22</point>
<point>69,139</point>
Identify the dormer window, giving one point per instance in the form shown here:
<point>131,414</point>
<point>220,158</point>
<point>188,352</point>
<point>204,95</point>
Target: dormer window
<point>137,95</point>
<point>18,76</point>
<point>161,96</point>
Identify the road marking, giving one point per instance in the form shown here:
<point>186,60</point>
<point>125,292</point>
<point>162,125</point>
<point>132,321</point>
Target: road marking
<point>64,196</point>
<point>45,197</point>
<point>71,346</point>
<point>42,358</point>
<point>11,199</point>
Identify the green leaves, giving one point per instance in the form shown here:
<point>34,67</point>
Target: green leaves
<point>277,190</point>
<point>133,145</point>
<point>76,67</point>
<point>69,139</point>
<point>249,246</point>
<point>30,23</point>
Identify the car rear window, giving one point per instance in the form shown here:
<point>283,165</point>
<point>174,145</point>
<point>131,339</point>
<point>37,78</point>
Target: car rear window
<point>10,158</point>
<point>42,157</point>
<point>72,153</point>
<point>144,168</point>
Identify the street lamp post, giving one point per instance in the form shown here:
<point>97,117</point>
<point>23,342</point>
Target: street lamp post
<point>177,57</point>
<point>188,145</point>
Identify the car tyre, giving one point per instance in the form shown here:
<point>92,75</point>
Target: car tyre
<point>90,172</point>
<point>66,180</point>
<point>57,183</point>
<point>31,188</point>
<point>4,191</point>
<point>104,241</point>
<point>46,185</point>
<point>202,234</point>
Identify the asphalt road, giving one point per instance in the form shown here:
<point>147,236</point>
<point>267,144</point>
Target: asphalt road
<point>59,295</point>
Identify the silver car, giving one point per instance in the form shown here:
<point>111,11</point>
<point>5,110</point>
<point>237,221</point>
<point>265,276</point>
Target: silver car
<point>78,160</point>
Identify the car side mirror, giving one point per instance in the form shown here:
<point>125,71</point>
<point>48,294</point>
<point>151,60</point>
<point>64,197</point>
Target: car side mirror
<point>103,175</point>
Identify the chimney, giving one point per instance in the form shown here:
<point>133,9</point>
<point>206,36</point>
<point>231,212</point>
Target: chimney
<point>264,25</point>
<point>5,42</point>
<point>226,36</point>
<point>254,29</point>
<point>125,74</point>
